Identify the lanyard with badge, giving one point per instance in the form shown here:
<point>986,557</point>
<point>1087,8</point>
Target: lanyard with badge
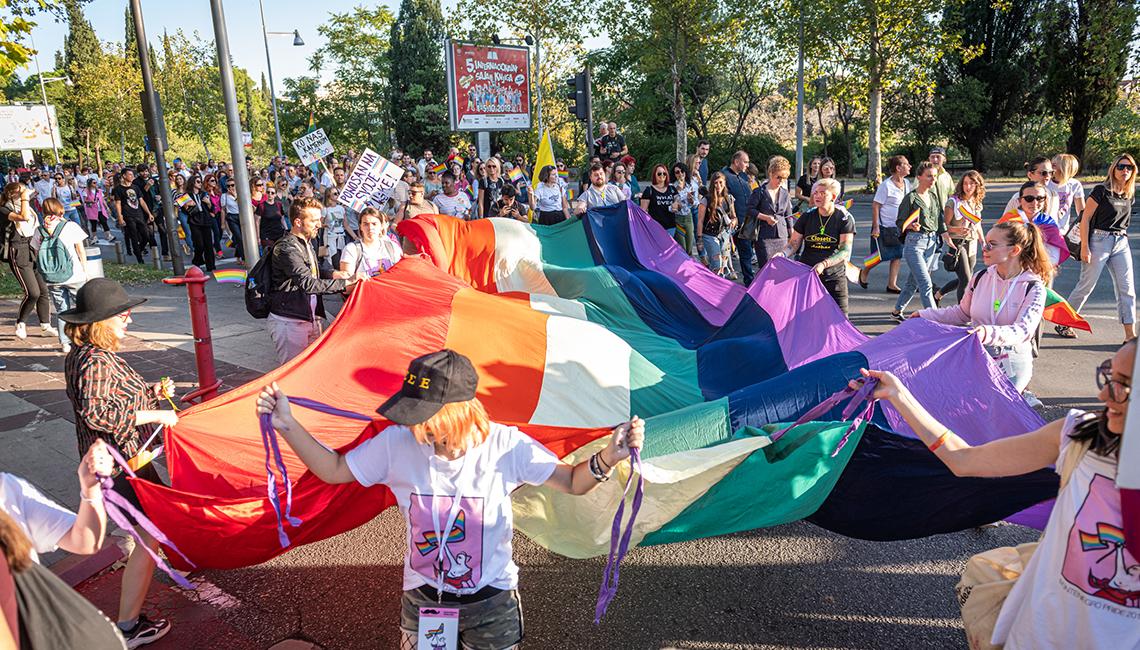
<point>439,626</point>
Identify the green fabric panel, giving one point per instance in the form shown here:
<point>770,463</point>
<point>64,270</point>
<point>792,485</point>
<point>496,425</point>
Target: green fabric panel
<point>662,373</point>
<point>565,244</point>
<point>781,483</point>
<point>692,427</point>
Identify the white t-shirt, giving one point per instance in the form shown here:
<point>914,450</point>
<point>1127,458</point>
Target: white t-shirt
<point>43,189</point>
<point>1081,588</point>
<point>71,235</point>
<point>548,198</point>
<point>1066,195</point>
<point>456,206</point>
<point>479,551</point>
<point>374,257</point>
<point>889,196</point>
<point>44,521</point>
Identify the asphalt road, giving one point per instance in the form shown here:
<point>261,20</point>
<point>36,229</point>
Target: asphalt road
<point>794,586</point>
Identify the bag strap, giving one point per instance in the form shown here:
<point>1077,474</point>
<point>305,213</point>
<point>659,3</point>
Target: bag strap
<point>1074,453</point>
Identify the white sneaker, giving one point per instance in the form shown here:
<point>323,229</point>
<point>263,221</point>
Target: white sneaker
<point>1031,400</point>
<point>49,330</point>
<point>66,348</point>
<point>21,331</point>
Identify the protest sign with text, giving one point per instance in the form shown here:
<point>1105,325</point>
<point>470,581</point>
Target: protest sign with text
<point>313,146</point>
<point>371,181</point>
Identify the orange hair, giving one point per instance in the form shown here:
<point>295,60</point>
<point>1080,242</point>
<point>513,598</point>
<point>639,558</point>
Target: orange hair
<point>457,426</point>
<point>98,334</point>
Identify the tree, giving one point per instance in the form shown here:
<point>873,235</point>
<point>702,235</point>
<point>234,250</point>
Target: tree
<point>1091,43</point>
<point>992,74</point>
<point>81,50</point>
<point>130,41</point>
<point>107,92</point>
<point>15,24</point>
<point>417,94</point>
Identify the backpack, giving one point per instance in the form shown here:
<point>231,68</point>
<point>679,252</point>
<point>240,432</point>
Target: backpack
<point>53,259</point>
<point>258,284</point>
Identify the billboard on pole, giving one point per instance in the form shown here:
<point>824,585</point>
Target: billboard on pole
<point>28,126</point>
<point>488,87</point>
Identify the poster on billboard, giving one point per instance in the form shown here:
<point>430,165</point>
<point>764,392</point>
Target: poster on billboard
<point>28,126</point>
<point>488,87</point>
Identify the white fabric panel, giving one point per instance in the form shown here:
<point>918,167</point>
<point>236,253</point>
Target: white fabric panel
<point>518,258</point>
<point>586,379</point>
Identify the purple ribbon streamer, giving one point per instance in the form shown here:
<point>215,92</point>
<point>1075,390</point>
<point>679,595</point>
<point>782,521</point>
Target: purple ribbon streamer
<point>115,504</point>
<point>609,587</point>
<point>273,457</point>
<point>863,396</point>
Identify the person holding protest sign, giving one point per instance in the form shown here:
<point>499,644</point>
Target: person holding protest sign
<point>441,436</point>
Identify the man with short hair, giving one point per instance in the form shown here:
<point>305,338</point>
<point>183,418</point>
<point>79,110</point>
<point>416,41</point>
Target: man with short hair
<point>425,163</point>
<point>180,169</point>
<point>132,213</point>
<point>451,201</point>
<point>296,309</point>
<point>703,147</point>
<point>612,145</point>
<point>599,194</point>
<point>943,181</point>
<point>740,188</point>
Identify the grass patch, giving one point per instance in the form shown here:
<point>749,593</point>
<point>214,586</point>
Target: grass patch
<point>129,275</point>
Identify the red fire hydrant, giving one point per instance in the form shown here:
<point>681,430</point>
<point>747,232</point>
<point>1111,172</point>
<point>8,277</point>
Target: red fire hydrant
<point>208,382</point>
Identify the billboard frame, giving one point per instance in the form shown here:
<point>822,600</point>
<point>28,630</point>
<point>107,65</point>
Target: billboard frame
<point>452,101</point>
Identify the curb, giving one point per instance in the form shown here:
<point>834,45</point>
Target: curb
<point>75,569</point>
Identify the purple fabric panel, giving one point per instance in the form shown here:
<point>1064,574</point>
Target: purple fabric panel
<point>1035,516</point>
<point>808,323</point>
<point>950,373</point>
<point>713,296</point>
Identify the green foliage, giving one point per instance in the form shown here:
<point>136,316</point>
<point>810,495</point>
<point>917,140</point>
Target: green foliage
<point>1091,45</point>
<point>16,23</point>
<point>1026,137</point>
<point>417,94</point>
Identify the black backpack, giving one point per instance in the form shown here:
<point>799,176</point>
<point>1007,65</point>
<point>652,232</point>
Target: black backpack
<point>258,284</point>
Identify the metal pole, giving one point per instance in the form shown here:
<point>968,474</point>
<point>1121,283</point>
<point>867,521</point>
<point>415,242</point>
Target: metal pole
<point>269,65</point>
<point>154,129</point>
<point>589,119</point>
<point>47,114</point>
<point>538,86</point>
<point>233,129</point>
<point>800,101</point>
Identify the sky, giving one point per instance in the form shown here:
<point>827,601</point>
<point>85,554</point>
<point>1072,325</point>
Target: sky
<point>243,22</point>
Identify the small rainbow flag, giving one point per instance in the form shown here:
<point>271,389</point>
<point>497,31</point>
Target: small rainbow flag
<point>965,212</point>
<point>439,169</point>
<point>470,193</point>
<point>231,276</point>
<point>911,219</point>
<point>436,632</point>
<point>183,200</point>
<point>796,215</point>
<point>1059,311</point>
<point>457,159</point>
<point>144,457</point>
<point>846,205</point>
<point>515,174</point>
<point>76,203</point>
<point>457,534</point>
<point>872,260</point>
<point>1105,534</point>
<point>563,173</point>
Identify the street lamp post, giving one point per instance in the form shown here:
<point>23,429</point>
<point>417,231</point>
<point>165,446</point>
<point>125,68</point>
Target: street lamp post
<point>43,94</point>
<point>269,65</point>
<point>800,101</point>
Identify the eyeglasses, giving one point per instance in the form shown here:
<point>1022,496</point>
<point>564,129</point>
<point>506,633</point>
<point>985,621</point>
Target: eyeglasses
<point>1035,198</point>
<point>661,174</point>
<point>1045,172</point>
<point>989,246</point>
<point>124,316</point>
<point>1124,167</point>
<point>1118,391</point>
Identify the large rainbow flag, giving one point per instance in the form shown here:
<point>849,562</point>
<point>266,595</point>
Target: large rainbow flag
<point>576,327</point>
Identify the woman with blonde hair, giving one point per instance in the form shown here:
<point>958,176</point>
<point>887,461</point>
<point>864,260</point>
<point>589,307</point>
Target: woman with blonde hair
<point>452,471</point>
<point>1070,191</point>
<point>1104,241</point>
<point>770,204</point>
<point>332,218</point>
<point>962,233</point>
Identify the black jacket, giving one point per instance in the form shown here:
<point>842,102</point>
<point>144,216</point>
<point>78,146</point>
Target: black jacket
<point>760,202</point>
<point>293,281</point>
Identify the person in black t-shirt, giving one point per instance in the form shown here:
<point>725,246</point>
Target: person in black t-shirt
<point>133,214</point>
<point>826,234</point>
<point>612,145</point>
<point>803,185</point>
<point>658,199</point>
<point>1104,241</point>
<point>270,218</point>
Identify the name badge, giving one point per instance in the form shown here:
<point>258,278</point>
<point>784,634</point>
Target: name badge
<point>439,629</point>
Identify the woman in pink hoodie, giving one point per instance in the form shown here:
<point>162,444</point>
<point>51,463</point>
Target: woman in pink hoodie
<point>1003,302</point>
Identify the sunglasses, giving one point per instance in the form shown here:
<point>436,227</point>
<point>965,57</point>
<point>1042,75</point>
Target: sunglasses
<point>1124,167</point>
<point>1118,391</point>
<point>1035,199</point>
<point>989,246</point>
<point>661,174</point>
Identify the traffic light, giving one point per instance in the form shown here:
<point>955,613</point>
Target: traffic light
<point>579,95</point>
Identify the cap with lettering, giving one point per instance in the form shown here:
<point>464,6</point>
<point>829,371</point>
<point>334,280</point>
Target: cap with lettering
<point>433,380</point>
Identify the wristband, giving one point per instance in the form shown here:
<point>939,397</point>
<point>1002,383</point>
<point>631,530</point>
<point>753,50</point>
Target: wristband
<point>92,500</point>
<point>938,443</point>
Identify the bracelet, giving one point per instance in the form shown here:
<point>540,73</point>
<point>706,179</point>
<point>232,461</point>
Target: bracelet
<point>603,462</point>
<point>91,500</point>
<point>596,471</point>
<point>938,443</point>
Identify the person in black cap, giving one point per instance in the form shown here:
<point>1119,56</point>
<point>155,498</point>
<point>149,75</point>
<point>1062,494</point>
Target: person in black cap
<point>114,403</point>
<point>452,471</point>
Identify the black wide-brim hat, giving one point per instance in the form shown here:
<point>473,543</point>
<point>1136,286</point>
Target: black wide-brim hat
<point>433,380</point>
<point>98,300</point>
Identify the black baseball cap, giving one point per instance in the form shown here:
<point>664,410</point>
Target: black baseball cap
<point>433,380</point>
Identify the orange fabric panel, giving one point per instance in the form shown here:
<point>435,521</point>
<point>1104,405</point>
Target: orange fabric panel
<point>469,252</point>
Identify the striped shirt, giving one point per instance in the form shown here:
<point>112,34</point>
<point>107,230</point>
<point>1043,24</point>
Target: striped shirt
<point>106,393</point>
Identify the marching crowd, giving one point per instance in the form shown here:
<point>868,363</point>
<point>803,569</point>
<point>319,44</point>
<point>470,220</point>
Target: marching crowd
<point>733,220</point>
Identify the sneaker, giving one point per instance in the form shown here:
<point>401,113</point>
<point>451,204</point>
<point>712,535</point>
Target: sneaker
<point>146,631</point>
<point>21,331</point>
<point>1065,332</point>
<point>1031,400</point>
<point>110,238</point>
<point>66,347</point>
<point>48,330</point>
<point>897,316</point>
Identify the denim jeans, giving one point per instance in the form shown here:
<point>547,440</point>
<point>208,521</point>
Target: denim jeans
<point>1016,362</point>
<point>62,299</point>
<point>920,251</point>
<point>712,251</point>
<point>744,249</point>
<point>234,223</point>
<point>1111,249</point>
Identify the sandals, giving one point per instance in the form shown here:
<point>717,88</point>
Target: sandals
<point>1065,332</point>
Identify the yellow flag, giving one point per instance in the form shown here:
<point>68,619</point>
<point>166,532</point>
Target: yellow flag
<point>545,157</point>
